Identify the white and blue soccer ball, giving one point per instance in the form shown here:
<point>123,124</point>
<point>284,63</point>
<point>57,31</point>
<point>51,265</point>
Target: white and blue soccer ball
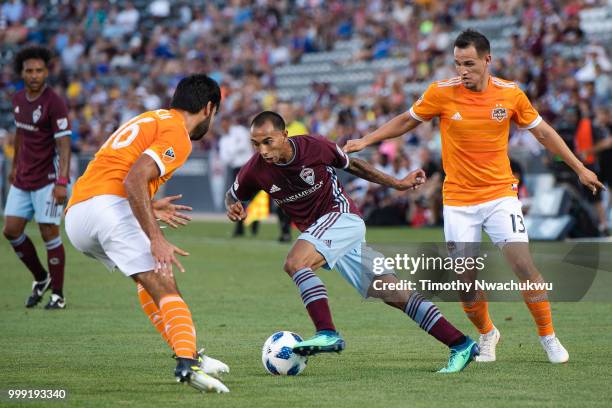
<point>278,357</point>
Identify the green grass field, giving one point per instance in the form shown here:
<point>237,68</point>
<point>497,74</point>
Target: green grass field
<point>104,352</point>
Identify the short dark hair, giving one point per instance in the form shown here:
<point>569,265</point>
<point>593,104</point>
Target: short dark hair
<point>471,37</point>
<point>193,93</point>
<point>268,116</point>
<point>32,52</point>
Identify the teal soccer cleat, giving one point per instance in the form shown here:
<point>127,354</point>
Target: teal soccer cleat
<point>324,341</point>
<point>461,355</point>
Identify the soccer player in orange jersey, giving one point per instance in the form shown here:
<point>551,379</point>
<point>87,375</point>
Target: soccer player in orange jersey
<point>475,110</point>
<point>112,216</point>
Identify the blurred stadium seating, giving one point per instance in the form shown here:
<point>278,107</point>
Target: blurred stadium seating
<point>364,61</point>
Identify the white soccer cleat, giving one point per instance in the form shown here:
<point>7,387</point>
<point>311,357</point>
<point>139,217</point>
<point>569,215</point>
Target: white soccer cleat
<point>212,366</point>
<point>487,343</point>
<point>554,349</point>
<point>205,383</point>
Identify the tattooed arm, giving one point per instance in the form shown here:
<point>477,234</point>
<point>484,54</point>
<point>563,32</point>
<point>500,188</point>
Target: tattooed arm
<point>366,171</point>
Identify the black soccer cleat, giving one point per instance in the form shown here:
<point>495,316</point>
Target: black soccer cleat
<point>56,302</point>
<point>188,371</point>
<point>38,290</point>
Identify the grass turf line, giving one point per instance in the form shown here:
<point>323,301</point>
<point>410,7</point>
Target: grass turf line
<point>103,350</point>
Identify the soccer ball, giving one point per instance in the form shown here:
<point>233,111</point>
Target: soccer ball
<point>278,357</point>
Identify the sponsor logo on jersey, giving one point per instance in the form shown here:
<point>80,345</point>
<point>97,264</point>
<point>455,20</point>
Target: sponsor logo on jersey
<point>37,114</point>
<point>300,195</point>
<point>168,155</point>
<point>62,123</point>
<point>26,126</point>
<point>274,188</point>
<point>307,174</point>
<point>499,113</point>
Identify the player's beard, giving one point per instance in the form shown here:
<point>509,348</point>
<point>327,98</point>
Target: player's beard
<point>200,130</point>
<point>34,87</point>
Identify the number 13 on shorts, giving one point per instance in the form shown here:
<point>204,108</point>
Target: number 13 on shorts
<point>502,219</point>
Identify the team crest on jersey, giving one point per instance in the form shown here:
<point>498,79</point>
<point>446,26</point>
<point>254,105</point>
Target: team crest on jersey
<point>62,123</point>
<point>499,113</point>
<point>168,155</point>
<point>36,114</point>
<point>307,174</point>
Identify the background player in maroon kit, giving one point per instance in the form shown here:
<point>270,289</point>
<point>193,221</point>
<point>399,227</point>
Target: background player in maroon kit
<point>299,173</point>
<point>39,175</point>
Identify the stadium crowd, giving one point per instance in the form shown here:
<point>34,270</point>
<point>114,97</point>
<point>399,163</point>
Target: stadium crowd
<point>119,58</point>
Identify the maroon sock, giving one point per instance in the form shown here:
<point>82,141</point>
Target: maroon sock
<point>320,315</point>
<point>56,259</point>
<point>25,250</point>
<point>429,318</point>
<point>445,332</point>
<point>314,295</point>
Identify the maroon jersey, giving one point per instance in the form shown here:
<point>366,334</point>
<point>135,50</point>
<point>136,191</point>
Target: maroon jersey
<point>306,187</point>
<point>39,122</point>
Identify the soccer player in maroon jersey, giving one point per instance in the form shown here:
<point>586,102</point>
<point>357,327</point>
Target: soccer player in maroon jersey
<point>299,174</point>
<point>39,175</point>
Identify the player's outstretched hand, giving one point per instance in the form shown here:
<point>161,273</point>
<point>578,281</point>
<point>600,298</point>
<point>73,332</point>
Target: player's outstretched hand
<point>169,213</point>
<point>164,255</point>
<point>60,194</point>
<point>354,145</point>
<point>589,179</point>
<point>236,212</point>
<point>412,181</point>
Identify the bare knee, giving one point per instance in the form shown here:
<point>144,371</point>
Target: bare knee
<point>48,231</point>
<point>293,264</point>
<point>157,285</point>
<point>12,232</point>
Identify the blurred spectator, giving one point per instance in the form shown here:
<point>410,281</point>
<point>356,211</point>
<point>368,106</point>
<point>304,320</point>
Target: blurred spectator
<point>234,151</point>
<point>117,57</point>
<point>294,125</point>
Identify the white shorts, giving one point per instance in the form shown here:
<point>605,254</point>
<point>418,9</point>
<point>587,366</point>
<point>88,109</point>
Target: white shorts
<point>502,219</point>
<point>39,204</point>
<point>105,228</point>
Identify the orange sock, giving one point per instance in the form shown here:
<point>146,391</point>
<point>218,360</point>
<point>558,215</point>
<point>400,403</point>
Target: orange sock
<point>539,306</point>
<point>179,326</point>
<point>151,310</point>
<point>478,313</point>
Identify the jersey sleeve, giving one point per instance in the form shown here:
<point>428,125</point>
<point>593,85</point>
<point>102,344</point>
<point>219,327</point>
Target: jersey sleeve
<point>245,186</point>
<point>58,115</point>
<point>331,154</point>
<point>525,116</point>
<point>428,105</point>
<point>170,148</point>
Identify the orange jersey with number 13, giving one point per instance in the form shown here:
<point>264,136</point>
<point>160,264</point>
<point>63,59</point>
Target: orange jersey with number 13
<point>160,134</point>
<point>475,128</point>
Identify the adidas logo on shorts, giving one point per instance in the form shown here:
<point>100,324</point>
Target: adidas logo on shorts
<point>274,188</point>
